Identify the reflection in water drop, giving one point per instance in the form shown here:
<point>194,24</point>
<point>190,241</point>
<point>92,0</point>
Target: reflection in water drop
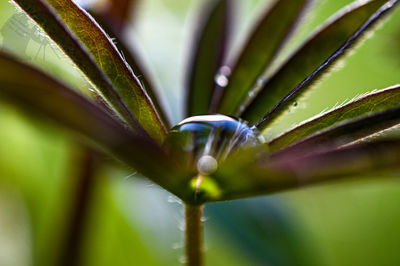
<point>198,143</point>
<point>215,136</point>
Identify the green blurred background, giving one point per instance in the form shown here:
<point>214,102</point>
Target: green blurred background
<point>133,222</point>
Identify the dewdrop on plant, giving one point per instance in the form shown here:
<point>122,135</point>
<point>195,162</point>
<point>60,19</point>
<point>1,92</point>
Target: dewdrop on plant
<point>201,142</point>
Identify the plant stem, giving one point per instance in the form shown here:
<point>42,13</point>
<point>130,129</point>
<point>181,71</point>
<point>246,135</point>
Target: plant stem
<point>70,254</point>
<point>194,235</point>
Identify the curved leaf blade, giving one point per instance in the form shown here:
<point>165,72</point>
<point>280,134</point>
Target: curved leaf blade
<point>247,175</point>
<point>113,65</point>
<point>208,53</point>
<point>62,36</point>
<point>345,132</point>
<point>313,58</point>
<point>268,37</point>
<point>48,13</point>
<point>372,102</point>
<point>132,58</point>
<point>40,95</point>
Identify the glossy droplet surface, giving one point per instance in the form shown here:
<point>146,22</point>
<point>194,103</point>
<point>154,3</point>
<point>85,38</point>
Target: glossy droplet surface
<point>206,164</point>
<point>200,142</point>
<point>221,79</point>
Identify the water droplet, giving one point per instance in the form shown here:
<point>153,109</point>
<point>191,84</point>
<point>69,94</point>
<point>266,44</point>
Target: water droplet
<point>251,94</point>
<point>199,142</point>
<point>260,82</point>
<point>295,103</point>
<point>221,80</point>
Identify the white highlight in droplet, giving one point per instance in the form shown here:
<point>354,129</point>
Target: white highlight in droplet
<point>221,80</point>
<point>207,164</point>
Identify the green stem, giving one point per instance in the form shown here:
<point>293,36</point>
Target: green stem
<point>194,235</point>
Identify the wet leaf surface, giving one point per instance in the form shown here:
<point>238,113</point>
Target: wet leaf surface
<point>372,102</point>
<point>208,53</point>
<point>47,99</point>
<point>315,57</point>
<point>102,51</point>
<point>268,37</point>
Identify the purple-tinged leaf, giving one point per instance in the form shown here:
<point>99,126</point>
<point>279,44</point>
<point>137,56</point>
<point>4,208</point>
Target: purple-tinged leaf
<point>256,173</point>
<point>372,102</point>
<point>79,55</point>
<point>208,54</point>
<point>51,14</point>
<point>43,97</point>
<point>133,60</point>
<point>314,58</point>
<point>344,133</point>
<point>268,37</point>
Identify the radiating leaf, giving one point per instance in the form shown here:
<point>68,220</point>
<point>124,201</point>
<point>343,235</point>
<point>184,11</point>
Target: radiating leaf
<point>262,46</point>
<point>250,174</point>
<point>345,132</point>
<point>208,52</point>
<point>48,13</point>
<point>80,57</point>
<point>314,58</point>
<point>372,102</point>
<point>38,94</point>
<point>132,58</point>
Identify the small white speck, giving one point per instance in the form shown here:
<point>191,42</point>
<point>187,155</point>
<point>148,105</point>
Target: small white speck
<point>221,80</point>
<point>207,164</point>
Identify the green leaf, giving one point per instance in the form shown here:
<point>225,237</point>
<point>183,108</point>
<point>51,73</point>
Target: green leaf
<point>372,102</point>
<point>132,58</point>
<point>41,96</point>
<point>268,37</point>
<point>80,57</point>
<point>208,53</point>
<point>345,132</point>
<point>314,58</point>
<point>48,15</point>
<point>255,173</point>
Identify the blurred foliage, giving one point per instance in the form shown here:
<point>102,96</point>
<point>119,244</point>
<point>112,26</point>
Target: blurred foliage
<point>134,223</point>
